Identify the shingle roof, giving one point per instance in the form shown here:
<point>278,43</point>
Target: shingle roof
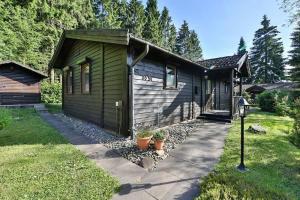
<point>23,66</point>
<point>222,62</point>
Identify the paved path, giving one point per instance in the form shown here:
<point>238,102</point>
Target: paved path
<point>177,177</point>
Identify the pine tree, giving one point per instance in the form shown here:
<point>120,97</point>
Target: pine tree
<point>295,54</point>
<point>108,13</point>
<point>182,40</point>
<point>165,27</point>
<point>172,39</point>
<point>152,30</point>
<point>194,48</point>
<point>135,18</point>
<point>29,30</point>
<point>266,54</point>
<point>242,49</point>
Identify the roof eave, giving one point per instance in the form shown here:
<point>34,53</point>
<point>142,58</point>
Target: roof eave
<point>166,51</point>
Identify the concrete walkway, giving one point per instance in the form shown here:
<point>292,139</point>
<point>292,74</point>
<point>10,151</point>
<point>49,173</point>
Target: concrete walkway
<point>177,177</point>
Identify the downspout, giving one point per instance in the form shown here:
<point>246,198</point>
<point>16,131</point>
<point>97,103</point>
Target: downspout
<point>131,66</point>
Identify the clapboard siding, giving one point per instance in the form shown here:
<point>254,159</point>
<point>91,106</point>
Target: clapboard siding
<point>108,75</point>
<point>115,70</point>
<point>84,106</point>
<point>150,96</point>
<point>18,86</point>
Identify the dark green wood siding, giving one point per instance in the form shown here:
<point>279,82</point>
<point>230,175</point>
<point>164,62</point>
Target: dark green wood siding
<point>115,87</point>
<point>108,68</point>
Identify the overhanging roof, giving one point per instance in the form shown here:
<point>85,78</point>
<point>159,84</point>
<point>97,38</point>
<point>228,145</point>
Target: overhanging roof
<point>228,62</point>
<point>7,62</point>
<point>113,36</point>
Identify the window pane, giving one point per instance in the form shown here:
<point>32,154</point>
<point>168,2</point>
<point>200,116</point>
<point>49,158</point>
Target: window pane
<point>85,78</point>
<point>70,82</point>
<point>170,77</point>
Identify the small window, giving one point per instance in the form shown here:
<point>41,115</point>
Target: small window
<point>171,80</point>
<point>226,87</point>
<point>70,81</point>
<point>85,78</point>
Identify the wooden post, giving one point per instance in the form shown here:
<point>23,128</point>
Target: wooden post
<point>231,93</point>
<point>241,85</point>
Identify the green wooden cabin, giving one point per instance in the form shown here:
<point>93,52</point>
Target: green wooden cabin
<point>123,83</point>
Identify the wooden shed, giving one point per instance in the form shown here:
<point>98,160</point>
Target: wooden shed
<point>19,84</point>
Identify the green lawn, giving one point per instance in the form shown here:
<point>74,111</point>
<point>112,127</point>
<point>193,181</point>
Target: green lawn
<point>37,163</point>
<point>273,162</point>
<point>54,107</point>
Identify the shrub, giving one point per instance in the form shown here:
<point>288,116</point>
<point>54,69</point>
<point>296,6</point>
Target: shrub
<point>160,135</point>
<point>295,137</point>
<point>144,134</point>
<point>282,106</point>
<point>274,101</point>
<point>267,101</point>
<point>51,92</point>
<point>5,118</point>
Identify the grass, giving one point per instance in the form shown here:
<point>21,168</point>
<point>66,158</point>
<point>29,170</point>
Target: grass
<point>273,162</point>
<point>54,107</point>
<point>38,163</point>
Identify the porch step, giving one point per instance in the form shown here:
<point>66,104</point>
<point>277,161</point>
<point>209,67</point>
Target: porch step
<point>215,118</point>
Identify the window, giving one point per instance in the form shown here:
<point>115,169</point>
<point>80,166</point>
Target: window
<point>171,80</point>
<point>85,78</point>
<point>70,81</point>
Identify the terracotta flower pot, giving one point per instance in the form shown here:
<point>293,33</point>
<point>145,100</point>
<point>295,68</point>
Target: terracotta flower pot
<point>159,144</point>
<point>143,143</point>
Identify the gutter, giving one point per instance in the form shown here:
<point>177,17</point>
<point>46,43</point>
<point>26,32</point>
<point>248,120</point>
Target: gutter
<point>131,66</point>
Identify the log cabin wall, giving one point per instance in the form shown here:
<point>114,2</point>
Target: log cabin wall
<point>18,86</point>
<point>107,78</point>
<point>156,106</point>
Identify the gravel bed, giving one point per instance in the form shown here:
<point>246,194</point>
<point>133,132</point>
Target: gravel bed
<point>127,148</point>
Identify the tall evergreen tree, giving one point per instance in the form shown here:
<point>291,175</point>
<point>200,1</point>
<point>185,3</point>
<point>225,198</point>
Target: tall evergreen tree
<point>29,30</point>
<point>135,18</point>
<point>152,30</point>
<point>242,49</point>
<point>172,39</point>
<point>295,54</point>
<point>108,13</point>
<point>182,40</point>
<point>165,27</point>
<point>266,54</point>
<point>194,48</point>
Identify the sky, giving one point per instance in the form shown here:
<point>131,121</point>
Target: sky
<point>220,23</point>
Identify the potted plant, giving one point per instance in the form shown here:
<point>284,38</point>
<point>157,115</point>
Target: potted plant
<point>159,140</point>
<point>143,139</point>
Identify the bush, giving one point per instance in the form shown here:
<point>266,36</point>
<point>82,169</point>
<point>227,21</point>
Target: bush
<point>274,101</point>
<point>5,118</point>
<point>267,101</point>
<point>295,137</point>
<point>51,92</point>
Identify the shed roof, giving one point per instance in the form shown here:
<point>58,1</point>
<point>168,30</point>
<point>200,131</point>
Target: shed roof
<point>34,71</point>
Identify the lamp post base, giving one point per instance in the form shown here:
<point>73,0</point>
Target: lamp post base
<point>242,168</point>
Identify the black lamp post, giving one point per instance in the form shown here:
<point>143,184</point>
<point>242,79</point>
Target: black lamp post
<point>243,107</point>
